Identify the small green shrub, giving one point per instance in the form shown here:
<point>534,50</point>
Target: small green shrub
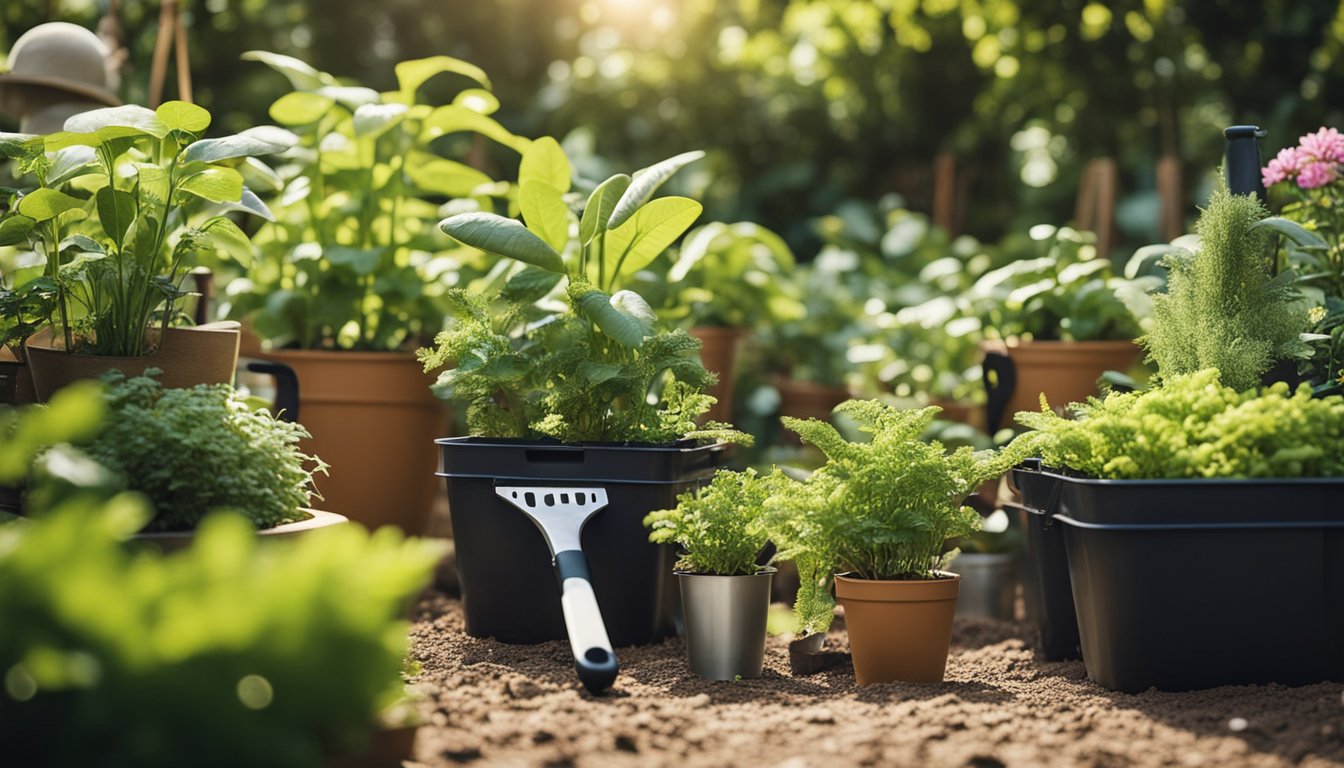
<point>719,527</point>
<point>191,451</point>
<point>1194,427</point>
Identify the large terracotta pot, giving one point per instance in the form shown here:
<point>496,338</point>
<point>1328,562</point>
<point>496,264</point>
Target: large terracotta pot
<point>374,420</point>
<point>172,541</point>
<point>718,351</point>
<point>1065,371</point>
<point>806,400</point>
<point>899,630</point>
<point>204,354</point>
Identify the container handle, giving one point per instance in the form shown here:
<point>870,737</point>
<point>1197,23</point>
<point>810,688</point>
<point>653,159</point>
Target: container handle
<point>286,404</point>
<point>1048,512</point>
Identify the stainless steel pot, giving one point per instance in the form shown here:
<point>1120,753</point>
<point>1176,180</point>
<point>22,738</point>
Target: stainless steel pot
<point>988,585</point>
<point>725,623</point>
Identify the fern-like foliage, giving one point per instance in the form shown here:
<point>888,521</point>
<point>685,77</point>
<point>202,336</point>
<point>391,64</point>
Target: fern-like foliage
<point>720,526</point>
<point>1223,309</point>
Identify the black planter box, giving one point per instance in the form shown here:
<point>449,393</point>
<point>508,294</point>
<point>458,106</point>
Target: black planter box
<point>1187,584</point>
<point>508,585</point>
<point>1046,590</point>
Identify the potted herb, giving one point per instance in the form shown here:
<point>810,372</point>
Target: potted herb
<point>879,514</point>
<point>568,383</point>
<point>351,277</point>
<point>1166,500</point>
<point>110,213</point>
<point>725,595</point>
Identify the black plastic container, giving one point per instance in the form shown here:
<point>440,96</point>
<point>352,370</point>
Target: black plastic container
<point>1186,584</point>
<point>1046,589</point>
<point>508,585</point>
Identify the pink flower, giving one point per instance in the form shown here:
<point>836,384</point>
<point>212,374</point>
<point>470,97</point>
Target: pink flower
<point>1326,145</point>
<point>1282,167</point>
<point>1316,174</point>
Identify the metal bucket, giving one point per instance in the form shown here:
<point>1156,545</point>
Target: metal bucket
<point>988,585</point>
<point>725,623</point>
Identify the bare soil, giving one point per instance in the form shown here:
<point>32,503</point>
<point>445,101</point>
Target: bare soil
<point>494,704</point>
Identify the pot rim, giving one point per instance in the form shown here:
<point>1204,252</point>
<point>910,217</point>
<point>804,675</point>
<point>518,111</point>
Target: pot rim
<point>849,587</point>
<point>766,570</point>
<point>341,355</point>
<point>317,518</point>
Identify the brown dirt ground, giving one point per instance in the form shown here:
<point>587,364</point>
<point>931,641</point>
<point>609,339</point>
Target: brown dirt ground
<point>494,704</point>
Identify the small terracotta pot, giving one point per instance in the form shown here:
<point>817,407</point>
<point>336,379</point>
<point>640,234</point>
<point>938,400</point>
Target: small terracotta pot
<point>172,541</point>
<point>899,630</point>
<point>374,419</point>
<point>806,400</point>
<point>718,351</point>
<point>1065,371</point>
<point>204,354</point>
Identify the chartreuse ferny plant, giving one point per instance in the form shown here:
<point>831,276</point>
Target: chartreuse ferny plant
<point>881,509</point>
<point>114,215</point>
<point>719,527</point>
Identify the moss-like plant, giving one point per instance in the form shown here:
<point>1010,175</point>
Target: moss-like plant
<point>881,509</point>
<point>720,527</point>
<point>1223,309</point>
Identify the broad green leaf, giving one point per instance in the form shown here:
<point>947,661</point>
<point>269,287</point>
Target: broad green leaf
<point>616,322</point>
<point>1300,235</point>
<point>444,177</point>
<point>64,139</point>
<point>452,118</point>
<point>477,100</point>
<point>252,204</point>
<point>258,175</point>
<point>530,284</point>
<point>261,140</point>
<point>374,119</point>
<point>116,211</point>
<point>655,227</point>
<point>151,185</point>
<point>300,74</point>
<point>634,305</point>
<point>114,122</point>
<point>229,240</point>
<point>300,108</point>
<point>503,237</point>
<point>14,229</point>
<point>351,97</point>
<point>362,260</point>
<point>645,183</point>
<point>216,184</point>
<point>414,73</point>
<point>81,260</point>
<point>181,116</point>
<point>82,243</point>
<point>597,373</point>
<point>545,161</point>
<point>14,145</point>
<point>600,205</point>
<point>46,204</point>
<point>1147,260</point>
<point>545,212</point>
<point>69,163</point>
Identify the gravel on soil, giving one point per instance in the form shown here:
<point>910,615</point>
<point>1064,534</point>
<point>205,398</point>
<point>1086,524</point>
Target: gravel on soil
<point>488,703</point>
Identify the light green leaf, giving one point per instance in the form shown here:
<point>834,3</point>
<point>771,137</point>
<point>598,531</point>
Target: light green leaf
<point>545,212</point>
<point>452,118</point>
<point>645,183</point>
<point>351,97</point>
<point>115,122</point>
<point>300,74</point>
<point>374,119</point>
<point>600,205</point>
<point>216,184</point>
<point>503,237</point>
<point>655,227</point>
<point>181,116</point>
<point>616,322</point>
<point>53,142</point>
<point>46,204</point>
<point>82,243</point>
<point>545,161</point>
<point>1300,235</point>
<point>261,140</point>
<point>444,177</point>
<point>14,229</point>
<point>70,163</point>
<point>414,73</point>
<point>300,108</point>
<point>362,260</point>
<point>252,204</point>
<point>229,240</point>
<point>477,100</point>
<point>116,212</point>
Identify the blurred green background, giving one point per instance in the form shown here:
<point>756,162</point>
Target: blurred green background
<point>805,104</point>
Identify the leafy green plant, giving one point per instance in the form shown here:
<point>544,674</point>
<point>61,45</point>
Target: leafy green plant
<point>1193,426</point>
<point>1223,308</point>
<point>110,216</point>
<point>719,527</point>
<point>354,260</point>
<point>192,451</point>
<point>881,509</point>
<point>815,346</point>
<point>23,311</point>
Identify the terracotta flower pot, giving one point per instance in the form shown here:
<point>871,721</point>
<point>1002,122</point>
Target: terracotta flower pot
<point>718,351</point>
<point>204,354</point>
<point>807,400</point>
<point>1065,371</point>
<point>899,630</point>
<point>172,541</point>
<point>374,419</point>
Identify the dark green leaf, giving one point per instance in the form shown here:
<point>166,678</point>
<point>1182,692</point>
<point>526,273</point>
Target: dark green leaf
<point>503,237</point>
<point>362,260</point>
<point>14,229</point>
<point>530,284</point>
<point>619,323</point>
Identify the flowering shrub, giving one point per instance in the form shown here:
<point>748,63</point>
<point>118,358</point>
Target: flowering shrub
<point>1314,163</point>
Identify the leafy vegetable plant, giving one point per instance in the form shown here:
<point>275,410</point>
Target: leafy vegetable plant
<point>110,216</point>
<point>720,526</point>
<point>354,260</point>
<point>1193,426</point>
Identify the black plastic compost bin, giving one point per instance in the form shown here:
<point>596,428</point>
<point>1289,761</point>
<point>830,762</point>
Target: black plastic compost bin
<point>1187,584</point>
<point>1046,590</point>
<point>508,585</point>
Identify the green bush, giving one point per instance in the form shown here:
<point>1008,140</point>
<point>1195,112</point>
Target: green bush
<point>1194,427</point>
<point>719,527</point>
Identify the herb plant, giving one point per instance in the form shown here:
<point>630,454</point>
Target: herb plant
<point>719,527</point>
<point>1192,427</point>
<point>1223,308</point>
<point>191,451</point>
<point>110,216</point>
<point>354,260</point>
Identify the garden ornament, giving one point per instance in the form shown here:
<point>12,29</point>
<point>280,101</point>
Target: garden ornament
<point>55,70</point>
